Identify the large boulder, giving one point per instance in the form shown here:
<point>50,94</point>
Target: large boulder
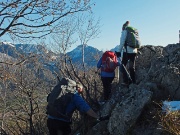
<point>126,112</point>
<point>161,66</point>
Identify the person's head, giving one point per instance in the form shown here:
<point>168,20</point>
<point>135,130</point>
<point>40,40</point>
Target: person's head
<point>125,25</point>
<point>79,87</point>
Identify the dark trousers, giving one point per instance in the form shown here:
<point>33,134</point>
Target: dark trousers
<point>131,57</point>
<point>107,81</point>
<point>56,126</point>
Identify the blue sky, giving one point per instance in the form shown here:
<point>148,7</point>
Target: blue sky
<point>158,21</point>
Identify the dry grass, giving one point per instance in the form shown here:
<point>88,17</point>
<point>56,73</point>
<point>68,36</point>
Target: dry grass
<point>171,122</point>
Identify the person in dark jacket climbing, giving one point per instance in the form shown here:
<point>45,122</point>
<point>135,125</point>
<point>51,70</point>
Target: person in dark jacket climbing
<point>61,126</point>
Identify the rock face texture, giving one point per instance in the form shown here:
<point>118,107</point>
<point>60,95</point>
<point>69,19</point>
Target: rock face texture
<point>161,66</point>
<point>132,110</point>
<point>126,112</point>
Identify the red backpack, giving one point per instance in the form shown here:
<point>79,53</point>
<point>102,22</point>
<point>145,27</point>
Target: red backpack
<point>109,61</point>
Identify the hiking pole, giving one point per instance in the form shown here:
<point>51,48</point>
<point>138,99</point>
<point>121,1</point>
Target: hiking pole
<point>129,77</point>
<point>119,59</point>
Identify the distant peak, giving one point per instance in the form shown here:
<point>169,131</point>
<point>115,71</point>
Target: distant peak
<point>7,43</point>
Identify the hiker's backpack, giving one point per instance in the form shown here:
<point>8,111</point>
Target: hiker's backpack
<point>109,61</point>
<point>132,39</point>
<point>60,97</point>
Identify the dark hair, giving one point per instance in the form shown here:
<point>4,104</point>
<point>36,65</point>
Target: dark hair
<point>125,24</point>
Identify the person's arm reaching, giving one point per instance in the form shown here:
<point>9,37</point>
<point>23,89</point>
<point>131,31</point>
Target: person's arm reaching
<point>82,106</point>
<point>91,113</point>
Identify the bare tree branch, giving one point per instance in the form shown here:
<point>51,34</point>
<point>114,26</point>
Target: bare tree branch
<point>18,63</point>
<point>36,18</point>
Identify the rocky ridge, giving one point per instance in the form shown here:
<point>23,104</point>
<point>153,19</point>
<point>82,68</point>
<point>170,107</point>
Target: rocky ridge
<point>134,110</point>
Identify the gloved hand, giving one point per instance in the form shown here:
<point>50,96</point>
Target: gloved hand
<point>118,54</point>
<point>102,118</point>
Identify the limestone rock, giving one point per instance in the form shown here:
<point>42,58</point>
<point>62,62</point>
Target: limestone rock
<point>126,112</point>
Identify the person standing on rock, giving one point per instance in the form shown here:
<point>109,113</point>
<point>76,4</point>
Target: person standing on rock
<point>107,65</point>
<point>129,43</point>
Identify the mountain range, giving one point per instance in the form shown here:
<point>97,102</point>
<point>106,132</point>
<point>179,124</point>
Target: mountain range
<point>91,54</point>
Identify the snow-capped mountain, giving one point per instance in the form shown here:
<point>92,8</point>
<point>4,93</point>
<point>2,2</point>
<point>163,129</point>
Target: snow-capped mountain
<point>38,49</point>
<point>8,49</point>
<point>12,49</point>
<point>91,54</point>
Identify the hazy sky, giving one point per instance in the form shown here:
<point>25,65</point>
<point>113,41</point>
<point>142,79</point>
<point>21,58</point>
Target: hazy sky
<point>158,21</point>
